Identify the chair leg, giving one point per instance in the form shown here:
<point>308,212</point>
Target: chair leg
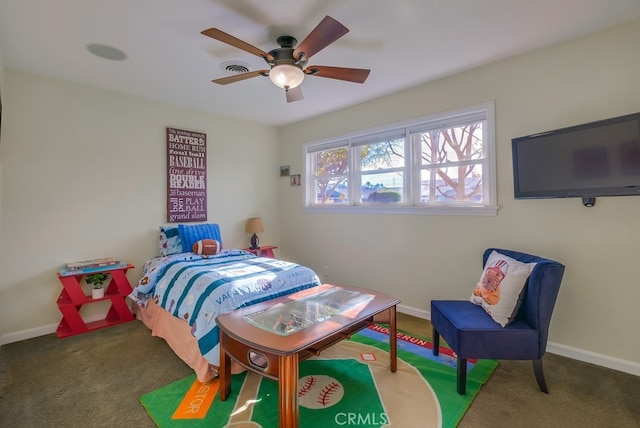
<point>436,341</point>
<point>537,369</point>
<point>462,376</point>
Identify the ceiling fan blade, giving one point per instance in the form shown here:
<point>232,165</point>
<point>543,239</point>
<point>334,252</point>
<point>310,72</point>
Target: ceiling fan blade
<point>235,42</point>
<point>239,77</point>
<point>356,75</point>
<point>294,94</point>
<point>326,32</point>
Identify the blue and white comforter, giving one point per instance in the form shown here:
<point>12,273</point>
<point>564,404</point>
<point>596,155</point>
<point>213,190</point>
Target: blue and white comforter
<point>198,289</point>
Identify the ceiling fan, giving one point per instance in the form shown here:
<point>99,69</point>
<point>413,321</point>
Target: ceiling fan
<point>289,63</point>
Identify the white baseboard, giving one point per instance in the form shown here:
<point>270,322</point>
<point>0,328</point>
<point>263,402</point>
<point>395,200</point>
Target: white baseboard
<point>554,348</point>
<point>594,358</point>
<point>602,360</point>
<point>37,331</point>
<point>18,336</point>
<point>420,313</point>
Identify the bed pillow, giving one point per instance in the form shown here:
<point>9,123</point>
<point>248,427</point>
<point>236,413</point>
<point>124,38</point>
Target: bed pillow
<point>501,287</point>
<point>170,240</point>
<point>190,234</point>
<point>207,247</point>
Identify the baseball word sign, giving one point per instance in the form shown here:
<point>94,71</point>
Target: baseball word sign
<point>186,176</point>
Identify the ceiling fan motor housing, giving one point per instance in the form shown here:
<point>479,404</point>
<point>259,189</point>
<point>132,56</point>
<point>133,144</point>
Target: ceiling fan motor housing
<point>284,54</point>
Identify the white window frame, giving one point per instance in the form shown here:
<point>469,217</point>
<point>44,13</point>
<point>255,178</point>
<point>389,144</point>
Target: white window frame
<point>411,191</point>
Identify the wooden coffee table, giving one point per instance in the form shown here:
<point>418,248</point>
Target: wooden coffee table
<point>271,338</point>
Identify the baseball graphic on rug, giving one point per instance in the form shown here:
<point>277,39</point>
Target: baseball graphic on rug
<point>319,391</point>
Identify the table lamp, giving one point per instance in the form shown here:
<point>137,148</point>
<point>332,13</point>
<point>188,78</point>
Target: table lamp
<point>254,225</point>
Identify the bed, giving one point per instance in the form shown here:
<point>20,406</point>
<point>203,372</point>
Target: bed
<point>181,293</point>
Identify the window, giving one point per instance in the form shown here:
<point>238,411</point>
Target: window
<point>441,164</point>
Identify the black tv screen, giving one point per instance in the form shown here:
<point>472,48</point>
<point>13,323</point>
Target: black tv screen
<point>594,159</point>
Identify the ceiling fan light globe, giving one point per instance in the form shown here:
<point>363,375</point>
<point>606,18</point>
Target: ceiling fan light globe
<point>286,75</point>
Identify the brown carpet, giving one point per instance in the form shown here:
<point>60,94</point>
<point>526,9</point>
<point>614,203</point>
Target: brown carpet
<point>95,380</point>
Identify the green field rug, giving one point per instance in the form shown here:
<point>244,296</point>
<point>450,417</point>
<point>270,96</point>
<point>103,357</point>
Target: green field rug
<point>349,384</point>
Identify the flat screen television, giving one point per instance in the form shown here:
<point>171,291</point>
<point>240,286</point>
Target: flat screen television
<point>585,161</point>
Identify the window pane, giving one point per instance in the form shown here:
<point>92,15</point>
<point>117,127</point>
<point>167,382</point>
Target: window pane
<point>443,185</point>
<point>457,144</point>
<point>382,188</point>
<point>385,154</point>
<point>332,162</point>
<point>332,191</point>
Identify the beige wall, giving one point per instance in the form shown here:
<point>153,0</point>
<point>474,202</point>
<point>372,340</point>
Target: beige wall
<point>419,257</point>
<point>84,176</point>
<point>1,99</point>
<point>1,71</point>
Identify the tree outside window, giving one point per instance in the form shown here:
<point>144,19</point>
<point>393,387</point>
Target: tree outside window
<point>451,164</point>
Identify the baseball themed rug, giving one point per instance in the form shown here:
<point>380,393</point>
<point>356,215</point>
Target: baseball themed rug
<point>348,384</point>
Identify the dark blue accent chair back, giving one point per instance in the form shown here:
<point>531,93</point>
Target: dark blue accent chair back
<point>472,333</point>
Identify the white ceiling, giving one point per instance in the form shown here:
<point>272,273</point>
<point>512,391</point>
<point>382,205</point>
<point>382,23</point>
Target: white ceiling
<point>403,42</point>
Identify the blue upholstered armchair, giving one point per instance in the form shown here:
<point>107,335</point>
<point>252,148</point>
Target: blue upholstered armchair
<point>472,333</point>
